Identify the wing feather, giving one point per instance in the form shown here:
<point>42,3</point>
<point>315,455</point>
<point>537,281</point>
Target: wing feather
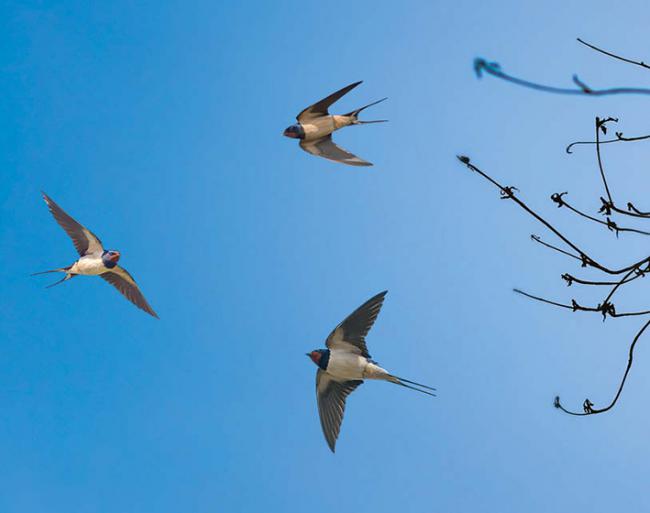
<point>326,148</point>
<point>85,241</point>
<point>351,334</point>
<point>331,395</point>
<point>125,284</point>
<point>320,107</point>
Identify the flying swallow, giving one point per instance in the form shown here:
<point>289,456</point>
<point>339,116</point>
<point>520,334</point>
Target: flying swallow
<point>315,126</point>
<point>95,260</point>
<point>344,365</point>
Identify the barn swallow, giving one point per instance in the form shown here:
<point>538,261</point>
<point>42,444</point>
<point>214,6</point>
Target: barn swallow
<point>95,260</point>
<point>315,126</point>
<point>344,365</point>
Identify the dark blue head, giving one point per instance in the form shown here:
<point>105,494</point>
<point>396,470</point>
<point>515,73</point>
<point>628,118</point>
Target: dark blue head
<point>110,258</point>
<point>295,131</point>
<point>320,357</point>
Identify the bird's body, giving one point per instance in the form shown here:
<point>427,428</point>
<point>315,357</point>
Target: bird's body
<point>324,125</point>
<point>94,259</point>
<point>344,365</point>
<point>316,125</point>
<point>89,265</point>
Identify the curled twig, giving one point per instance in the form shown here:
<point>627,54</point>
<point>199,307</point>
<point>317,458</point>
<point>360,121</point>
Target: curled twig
<point>588,406</point>
<point>619,138</point>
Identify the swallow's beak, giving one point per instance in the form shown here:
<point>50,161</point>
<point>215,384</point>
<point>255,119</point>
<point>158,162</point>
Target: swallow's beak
<point>287,133</point>
<point>116,256</point>
<point>308,354</point>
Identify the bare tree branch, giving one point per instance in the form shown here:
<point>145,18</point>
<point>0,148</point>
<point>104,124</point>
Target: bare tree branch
<point>608,207</point>
<point>508,192</point>
<point>611,225</point>
<point>587,406</point>
<point>494,69</point>
<point>619,138</point>
<point>539,240</point>
<point>606,306</point>
<point>609,54</point>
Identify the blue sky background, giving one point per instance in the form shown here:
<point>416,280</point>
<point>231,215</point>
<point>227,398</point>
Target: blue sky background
<point>158,125</point>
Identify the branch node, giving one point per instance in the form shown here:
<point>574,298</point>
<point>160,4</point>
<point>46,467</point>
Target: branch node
<point>583,87</point>
<point>508,192</point>
<point>606,208</point>
<point>557,198</point>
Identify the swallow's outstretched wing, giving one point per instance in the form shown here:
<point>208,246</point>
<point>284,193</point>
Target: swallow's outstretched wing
<point>124,282</point>
<point>85,241</point>
<point>325,147</point>
<point>331,395</point>
<point>320,108</point>
<point>350,335</point>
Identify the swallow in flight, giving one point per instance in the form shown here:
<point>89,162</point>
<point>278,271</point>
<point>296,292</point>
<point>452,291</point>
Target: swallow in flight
<point>94,259</point>
<point>315,126</point>
<point>344,365</point>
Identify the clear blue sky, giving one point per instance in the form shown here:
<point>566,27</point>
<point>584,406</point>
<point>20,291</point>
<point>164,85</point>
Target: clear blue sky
<point>159,125</point>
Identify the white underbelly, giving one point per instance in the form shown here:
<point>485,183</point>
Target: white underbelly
<point>89,266</point>
<point>346,365</point>
<point>319,128</point>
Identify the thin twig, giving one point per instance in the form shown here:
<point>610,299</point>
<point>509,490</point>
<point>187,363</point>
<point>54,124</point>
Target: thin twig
<point>494,69</point>
<point>508,193</point>
<point>619,138</point>
<point>539,240</point>
<point>609,54</point>
<point>601,125</point>
<point>606,307</point>
<point>588,405</point>
<point>570,279</point>
<point>558,198</point>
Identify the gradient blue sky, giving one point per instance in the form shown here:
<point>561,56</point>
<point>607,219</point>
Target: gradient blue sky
<point>158,125</point>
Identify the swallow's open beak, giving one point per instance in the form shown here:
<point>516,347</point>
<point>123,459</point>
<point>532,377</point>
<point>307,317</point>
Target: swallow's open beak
<point>115,257</point>
<point>288,133</point>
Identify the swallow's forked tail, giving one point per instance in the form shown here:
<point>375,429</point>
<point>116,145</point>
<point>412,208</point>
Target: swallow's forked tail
<point>355,114</point>
<point>409,384</point>
<point>65,270</point>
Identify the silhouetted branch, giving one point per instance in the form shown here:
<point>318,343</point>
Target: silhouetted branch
<point>608,207</point>
<point>570,279</point>
<point>494,69</point>
<point>609,54</point>
<point>538,239</point>
<point>611,225</point>
<point>601,124</point>
<point>619,138</point>
<point>587,406</point>
<point>606,306</point>
<point>509,193</point>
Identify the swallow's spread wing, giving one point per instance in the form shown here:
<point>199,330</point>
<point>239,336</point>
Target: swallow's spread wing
<point>320,108</point>
<point>124,282</point>
<point>350,335</point>
<point>85,241</point>
<point>325,147</point>
<point>331,395</point>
